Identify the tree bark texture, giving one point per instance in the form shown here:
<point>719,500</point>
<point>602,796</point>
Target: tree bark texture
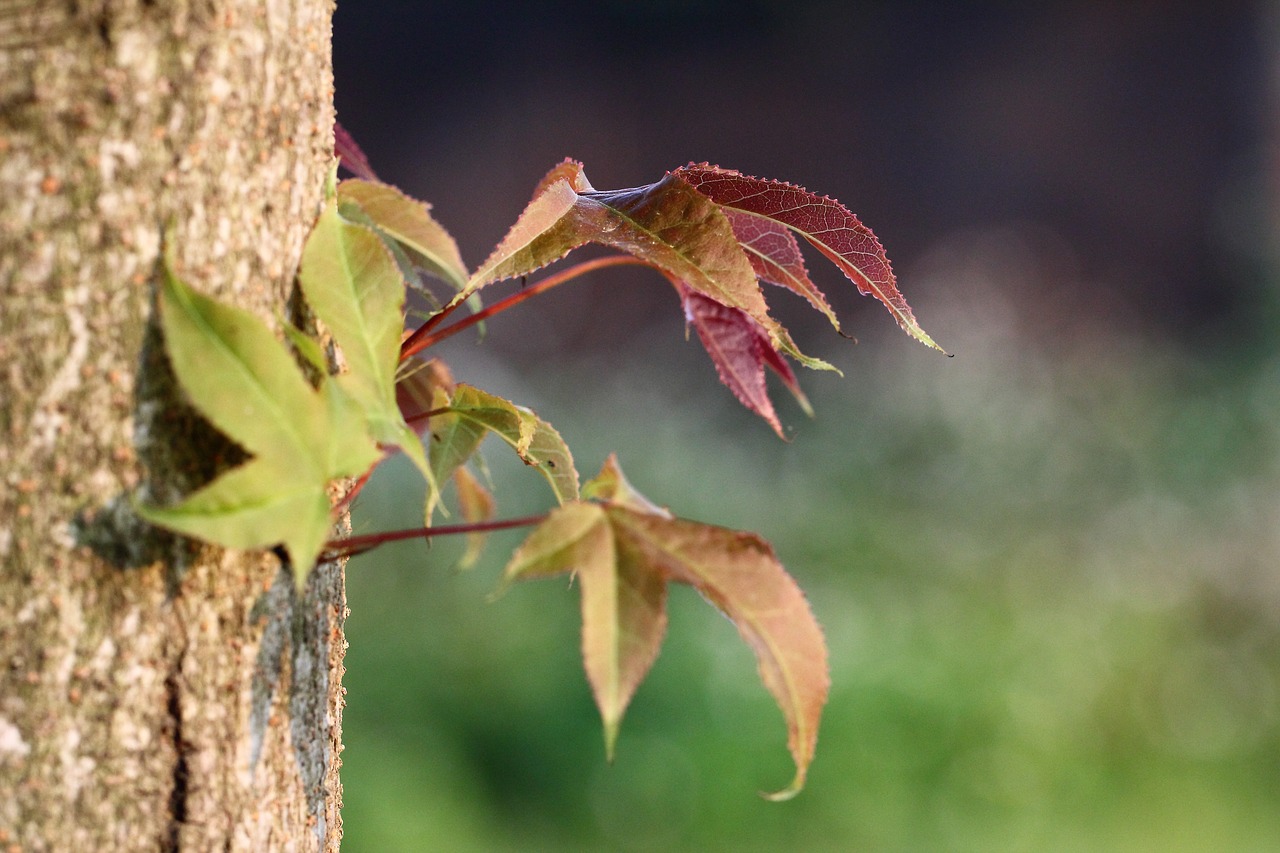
<point>153,694</point>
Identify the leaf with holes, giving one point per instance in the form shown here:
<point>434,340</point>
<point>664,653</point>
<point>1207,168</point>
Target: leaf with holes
<point>473,412</point>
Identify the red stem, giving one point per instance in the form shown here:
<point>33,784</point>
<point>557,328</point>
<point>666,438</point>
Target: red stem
<point>423,338</point>
<point>353,545</point>
<point>359,484</point>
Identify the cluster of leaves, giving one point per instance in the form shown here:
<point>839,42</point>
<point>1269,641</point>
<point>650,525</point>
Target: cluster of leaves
<point>715,234</point>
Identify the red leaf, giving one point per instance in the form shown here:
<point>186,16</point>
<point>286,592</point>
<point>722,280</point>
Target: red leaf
<point>735,344</point>
<point>775,256</point>
<point>350,157</point>
<point>824,222</point>
<point>667,224</point>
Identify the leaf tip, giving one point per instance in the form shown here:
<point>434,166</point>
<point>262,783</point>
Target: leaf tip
<point>787,793</point>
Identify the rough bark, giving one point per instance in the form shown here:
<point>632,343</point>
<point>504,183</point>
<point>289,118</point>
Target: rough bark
<point>153,695</point>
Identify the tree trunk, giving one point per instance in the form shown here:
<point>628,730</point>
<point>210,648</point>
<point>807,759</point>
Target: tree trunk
<point>153,694</point>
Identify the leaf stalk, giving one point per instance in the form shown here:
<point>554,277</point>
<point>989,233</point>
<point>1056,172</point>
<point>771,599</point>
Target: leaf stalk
<point>422,337</point>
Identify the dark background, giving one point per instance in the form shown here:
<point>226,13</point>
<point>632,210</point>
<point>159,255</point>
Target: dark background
<point>1047,567</point>
<point>1130,131</point>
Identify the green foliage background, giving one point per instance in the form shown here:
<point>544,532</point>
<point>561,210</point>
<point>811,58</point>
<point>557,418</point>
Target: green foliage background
<point>1046,569</point>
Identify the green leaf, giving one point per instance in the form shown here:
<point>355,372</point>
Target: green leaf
<point>454,439</point>
<point>257,505</point>
<point>240,377</point>
<point>307,347</point>
<point>243,380</point>
<point>409,223</point>
<point>534,440</point>
<point>353,284</point>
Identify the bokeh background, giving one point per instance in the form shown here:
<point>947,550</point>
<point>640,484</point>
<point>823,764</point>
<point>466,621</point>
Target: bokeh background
<point>1048,568</point>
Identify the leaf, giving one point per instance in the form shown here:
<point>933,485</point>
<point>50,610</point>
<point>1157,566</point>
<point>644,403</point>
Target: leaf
<point>409,223</point>
<point>257,505</point>
<point>624,551</point>
<point>534,440</point>
<point>612,486</point>
<point>354,286</point>
<point>454,439</point>
<point>477,505</point>
<point>307,347</point>
<point>243,380</point>
<point>667,224</point>
<point>822,221</point>
<point>740,350</point>
<point>526,248</point>
<point>349,154</point>
<point>775,256</point>
<point>623,603</point>
<point>740,574</point>
<point>422,387</point>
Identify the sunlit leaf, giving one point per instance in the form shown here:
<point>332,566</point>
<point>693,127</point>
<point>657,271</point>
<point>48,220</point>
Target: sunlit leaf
<point>740,574</point>
<point>667,224</point>
<point>244,381</point>
<point>354,286</point>
<point>623,603</point>
<point>409,223</point>
<point>738,348</point>
<point>775,256</point>
<point>822,221</point>
<point>257,505</point>
<point>624,551</point>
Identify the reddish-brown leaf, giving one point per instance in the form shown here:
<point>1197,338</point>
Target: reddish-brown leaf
<point>775,256</point>
<point>626,549</point>
<point>824,222</point>
<point>739,573</point>
<point>477,505</point>
<point>350,157</point>
<point>736,346</point>
<point>667,224</point>
<point>425,385</point>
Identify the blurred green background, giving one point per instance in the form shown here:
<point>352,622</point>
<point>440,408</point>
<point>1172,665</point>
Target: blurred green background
<point>1046,568</point>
